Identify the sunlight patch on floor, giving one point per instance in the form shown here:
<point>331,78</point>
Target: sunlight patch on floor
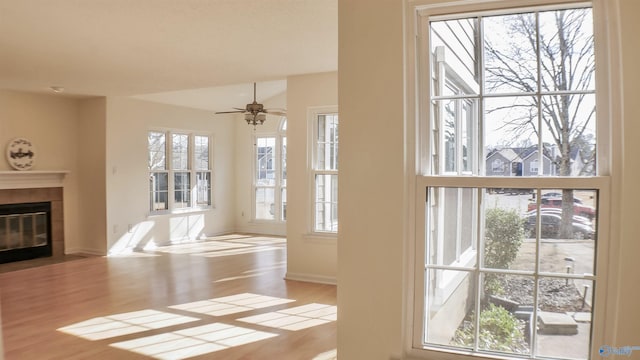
<point>329,355</point>
<point>194,341</point>
<point>231,304</point>
<point>124,324</point>
<point>296,318</point>
<point>249,250</point>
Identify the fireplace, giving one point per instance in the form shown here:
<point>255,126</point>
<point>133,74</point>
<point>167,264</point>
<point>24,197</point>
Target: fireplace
<point>25,231</point>
<point>24,189</point>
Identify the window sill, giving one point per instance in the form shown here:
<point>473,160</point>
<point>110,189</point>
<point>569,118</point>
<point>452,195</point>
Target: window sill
<point>321,237</point>
<point>180,211</point>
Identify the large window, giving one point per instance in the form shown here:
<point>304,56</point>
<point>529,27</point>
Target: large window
<point>506,253</point>
<point>270,186</point>
<point>179,171</point>
<point>324,172</point>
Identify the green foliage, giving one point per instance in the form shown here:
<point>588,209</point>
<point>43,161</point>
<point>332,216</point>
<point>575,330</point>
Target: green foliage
<point>499,331</point>
<point>503,236</point>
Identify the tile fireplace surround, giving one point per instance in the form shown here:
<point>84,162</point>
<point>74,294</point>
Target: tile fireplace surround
<point>37,186</point>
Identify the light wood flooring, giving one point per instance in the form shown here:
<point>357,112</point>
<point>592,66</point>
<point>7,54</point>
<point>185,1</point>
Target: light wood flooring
<point>224,298</point>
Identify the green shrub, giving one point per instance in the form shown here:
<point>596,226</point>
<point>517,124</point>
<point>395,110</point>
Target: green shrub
<point>499,331</point>
<point>503,236</point>
<point>504,233</point>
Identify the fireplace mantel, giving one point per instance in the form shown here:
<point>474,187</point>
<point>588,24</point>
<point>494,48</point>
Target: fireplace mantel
<point>32,179</point>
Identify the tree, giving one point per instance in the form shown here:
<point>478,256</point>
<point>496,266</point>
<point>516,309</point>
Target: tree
<point>550,56</point>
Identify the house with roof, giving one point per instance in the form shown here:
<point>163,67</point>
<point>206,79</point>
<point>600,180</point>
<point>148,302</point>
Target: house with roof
<point>518,162</point>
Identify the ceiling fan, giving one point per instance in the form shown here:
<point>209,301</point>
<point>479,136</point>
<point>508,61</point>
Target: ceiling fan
<point>255,113</point>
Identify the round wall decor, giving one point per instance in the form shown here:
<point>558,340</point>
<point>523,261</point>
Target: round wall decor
<point>21,154</point>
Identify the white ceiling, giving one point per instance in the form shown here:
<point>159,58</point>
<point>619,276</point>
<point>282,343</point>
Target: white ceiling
<point>199,53</point>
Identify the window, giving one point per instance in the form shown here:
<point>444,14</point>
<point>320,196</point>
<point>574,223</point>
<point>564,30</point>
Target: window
<point>489,264</point>
<point>324,172</point>
<point>179,171</point>
<point>533,166</point>
<point>497,166</point>
<point>270,186</point>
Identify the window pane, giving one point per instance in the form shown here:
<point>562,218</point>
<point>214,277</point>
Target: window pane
<point>182,190</point>
<point>450,228</point>
<point>459,126</point>
<point>564,318</point>
<point>467,216</point>
<point>284,162</point>
<point>180,152</point>
<point>567,56</point>
<point>577,113</point>
<point>157,150</point>
<point>203,188</point>
<point>510,54</point>
<point>265,152</point>
<point>265,203</point>
<point>327,142</point>
<point>283,199</point>
<point>450,303</point>
<point>159,191</point>
<point>454,44</point>
<point>511,139</point>
<point>449,127</point>
<point>201,152</point>
<point>453,226</point>
<point>506,245</point>
<point>506,320</point>
<point>326,204</point>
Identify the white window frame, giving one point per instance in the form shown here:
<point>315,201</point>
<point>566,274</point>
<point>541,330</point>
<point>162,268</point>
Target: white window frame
<point>194,204</point>
<point>534,165</point>
<point>419,158</point>
<point>500,165</point>
<point>313,114</point>
<point>280,183</point>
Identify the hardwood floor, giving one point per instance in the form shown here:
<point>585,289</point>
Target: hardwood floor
<point>220,299</point>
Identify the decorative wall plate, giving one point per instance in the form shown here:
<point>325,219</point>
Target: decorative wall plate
<point>21,154</point>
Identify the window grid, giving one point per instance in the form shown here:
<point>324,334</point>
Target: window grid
<point>187,183</point>
<point>270,179</point>
<point>325,172</point>
<point>447,159</point>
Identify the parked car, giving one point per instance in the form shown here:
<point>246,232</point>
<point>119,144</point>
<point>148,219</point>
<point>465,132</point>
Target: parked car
<point>556,202</point>
<point>558,211</point>
<point>558,195</point>
<point>550,226</point>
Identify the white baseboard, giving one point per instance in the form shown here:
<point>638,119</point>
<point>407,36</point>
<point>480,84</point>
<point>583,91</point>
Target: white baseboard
<point>84,251</point>
<point>319,279</point>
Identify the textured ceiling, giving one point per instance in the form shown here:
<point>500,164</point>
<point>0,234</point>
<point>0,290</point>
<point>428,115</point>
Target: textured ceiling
<point>135,47</point>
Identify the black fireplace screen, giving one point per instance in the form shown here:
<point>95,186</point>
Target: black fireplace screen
<point>25,231</point>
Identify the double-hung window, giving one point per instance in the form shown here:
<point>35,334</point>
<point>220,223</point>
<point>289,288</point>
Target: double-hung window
<point>270,185</point>
<point>179,171</point>
<point>504,274</point>
<point>324,171</point>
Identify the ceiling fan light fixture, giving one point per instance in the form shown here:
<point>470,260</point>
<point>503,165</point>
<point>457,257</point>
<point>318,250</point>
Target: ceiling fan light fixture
<point>254,113</point>
<point>255,119</point>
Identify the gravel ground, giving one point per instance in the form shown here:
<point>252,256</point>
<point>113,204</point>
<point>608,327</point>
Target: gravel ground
<point>555,294</point>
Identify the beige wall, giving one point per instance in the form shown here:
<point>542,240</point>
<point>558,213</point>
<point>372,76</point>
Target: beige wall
<point>371,262</point>
<point>91,177</point>
<point>370,87</point>
<point>128,221</point>
<point>628,314</point>
<point>309,257</point>
<point>52,124</point>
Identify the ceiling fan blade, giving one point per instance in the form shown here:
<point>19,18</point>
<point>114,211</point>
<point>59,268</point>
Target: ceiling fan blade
<point>230,112</point>
<point>242,109</point>
<point>278,112</point>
